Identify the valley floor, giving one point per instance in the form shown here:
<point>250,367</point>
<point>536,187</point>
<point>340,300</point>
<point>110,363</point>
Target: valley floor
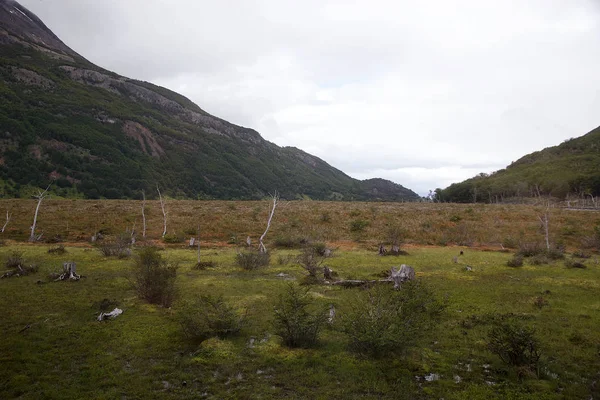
<point>53,347</point>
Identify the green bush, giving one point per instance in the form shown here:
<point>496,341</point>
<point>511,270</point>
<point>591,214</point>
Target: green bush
<point>358,225</point>
<point>384,320</point>
<point>297,320</point>
<point>516,261</point>
<point>209,316</point>
<point>60,249</point>
<point>290,241</point>
<point>540,259</point>
<point>252,259</point>
<point>530,249</point>
<point>15,260</point>
<point>574,264</point>
<point>117,247</point>
<point>310,259</point>
<point>154,278</point>
<point>514,343</point>
<point>173,238</point>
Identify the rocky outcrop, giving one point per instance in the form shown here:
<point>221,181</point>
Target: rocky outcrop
<point>145,138</point>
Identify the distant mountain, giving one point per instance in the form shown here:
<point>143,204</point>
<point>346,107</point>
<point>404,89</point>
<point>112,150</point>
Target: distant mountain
<point>98,134</point>
<point>571,168</point>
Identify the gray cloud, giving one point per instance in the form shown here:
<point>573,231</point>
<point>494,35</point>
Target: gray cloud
<point>424,93</point>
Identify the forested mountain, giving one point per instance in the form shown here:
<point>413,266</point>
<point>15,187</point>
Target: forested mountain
<point>571,168</point>
<point>97,134</point>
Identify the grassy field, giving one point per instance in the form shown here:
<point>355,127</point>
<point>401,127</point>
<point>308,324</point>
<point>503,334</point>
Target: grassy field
<point>53,347</point>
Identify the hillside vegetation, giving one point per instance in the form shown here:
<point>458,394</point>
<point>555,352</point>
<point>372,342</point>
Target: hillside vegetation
<point>101,135</point>
<point>569,169</point>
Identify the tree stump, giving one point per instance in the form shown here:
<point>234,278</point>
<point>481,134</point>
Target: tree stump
<point>405,273</point>
<point>69,272</point>
<point>328,273</point>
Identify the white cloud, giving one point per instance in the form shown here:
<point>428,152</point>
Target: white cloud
<point>423,93</point>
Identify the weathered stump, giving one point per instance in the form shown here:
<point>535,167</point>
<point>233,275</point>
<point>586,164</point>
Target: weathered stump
<point>69,272</point>
<point>328,273</point>
<point>405,273</point>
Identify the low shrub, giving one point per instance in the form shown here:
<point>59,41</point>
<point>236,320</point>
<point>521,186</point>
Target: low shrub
<point>540,259</point>
<point>297,319</point>
<point>530,249</point>
<point>58,250</point>
<point>154,278</point>
<point>14,260</point>
<point>514,343</point>
<point>540,302</point>
<point>382,320</point>
<point>358,225</point>
<point>285,259</point>
<point>510,243</point>
<point>455,218</point>
<point>290,241</point>
<point>117,247</point>
<point>252,259</point>
<point>310,259</point>
<point>516,261</point>
<point>574,264</point>
<point>555,253</point>
<point>173,238</point>
<point>209,316</point>
<point>202,265</point>
<point>581,254</point>
<point>325,217</point>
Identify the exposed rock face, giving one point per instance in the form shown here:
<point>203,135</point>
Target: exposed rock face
<point>146,138</point>
<point>126,87</point>
<point>31,78</point>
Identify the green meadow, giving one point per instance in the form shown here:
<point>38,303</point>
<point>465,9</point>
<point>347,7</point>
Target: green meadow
<point>53,347</point>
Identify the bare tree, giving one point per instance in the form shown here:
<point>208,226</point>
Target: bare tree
<point>544,222</point>
<point>261,246</point>
<point>198,236</point>
<point>162,206</point>
<point>40,196</point>
<point>143,214</point>
<point>8,215</point>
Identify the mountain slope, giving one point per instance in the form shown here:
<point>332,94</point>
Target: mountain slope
<point>98,134</point>
<point>572,167</point>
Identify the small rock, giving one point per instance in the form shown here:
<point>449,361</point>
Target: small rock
<point>457,379</point>
<point>432,377</point>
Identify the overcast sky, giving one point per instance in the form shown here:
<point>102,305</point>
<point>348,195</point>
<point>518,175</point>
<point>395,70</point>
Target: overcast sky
<point>425,93</point>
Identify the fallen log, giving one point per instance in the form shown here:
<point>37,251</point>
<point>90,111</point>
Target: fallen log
<point>110,315</point>
<point>397,277</point>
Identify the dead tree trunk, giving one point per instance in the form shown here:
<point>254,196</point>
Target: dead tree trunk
<point>261,246</point>
<point>41,195</point>
<point>8,215</point>
<point>544,222</point>
<point>162,206</point>
<point>143,214</point>
<point>198,244</point>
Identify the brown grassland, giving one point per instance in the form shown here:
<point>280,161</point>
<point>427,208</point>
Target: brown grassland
<point>340,223</point>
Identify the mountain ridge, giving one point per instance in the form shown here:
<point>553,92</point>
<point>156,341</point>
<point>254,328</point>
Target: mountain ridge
<point>99,134</point>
